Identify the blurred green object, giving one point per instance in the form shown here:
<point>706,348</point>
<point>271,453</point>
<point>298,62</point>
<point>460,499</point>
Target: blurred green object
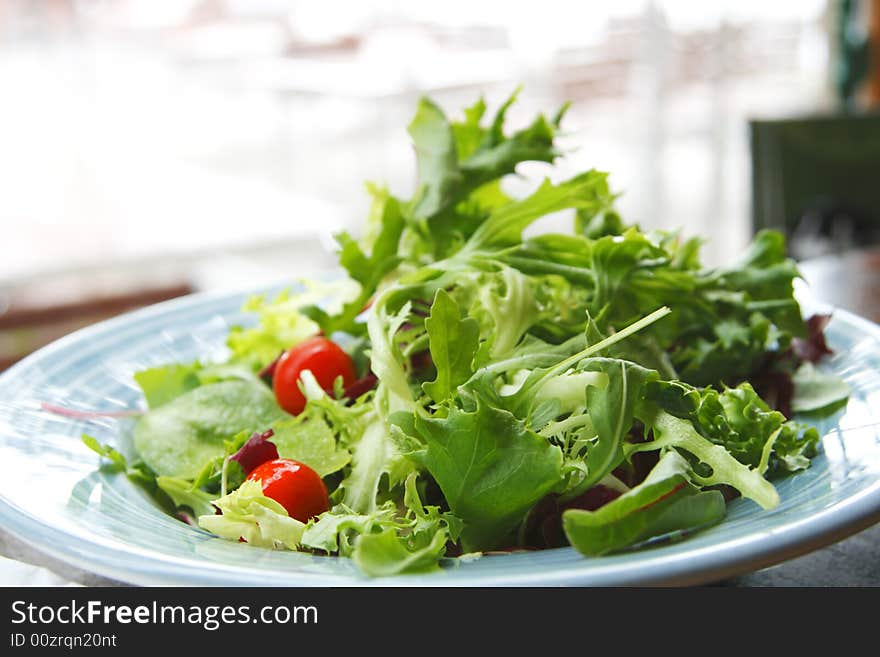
<point>817,179</point>
<point>853,50</point>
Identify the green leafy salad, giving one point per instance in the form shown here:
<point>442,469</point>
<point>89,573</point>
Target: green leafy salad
<point>470,389</point>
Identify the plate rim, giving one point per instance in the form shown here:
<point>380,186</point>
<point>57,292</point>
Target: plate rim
<point>717,561</point>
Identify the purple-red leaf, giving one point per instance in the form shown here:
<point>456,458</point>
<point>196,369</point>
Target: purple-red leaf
<point>256,451</point>
<point>543,528</point>
<point>813,347</point>
<point>361,386</point>
<point>268,372</point>
<point>775,386</point>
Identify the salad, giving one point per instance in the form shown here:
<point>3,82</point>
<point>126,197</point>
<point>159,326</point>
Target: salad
<point>468,388</point>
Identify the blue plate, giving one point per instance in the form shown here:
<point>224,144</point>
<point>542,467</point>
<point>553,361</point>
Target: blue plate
<point>54,496</point>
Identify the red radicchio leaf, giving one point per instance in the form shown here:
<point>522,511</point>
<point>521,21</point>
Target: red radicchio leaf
<point>268,372</point>
<point>188,518</point>
<point>359,387</point>
<point>775,386</point>
<point>544,524</point>
<point>813,347</point>
<point>256,451</point>
<point>421,360</point>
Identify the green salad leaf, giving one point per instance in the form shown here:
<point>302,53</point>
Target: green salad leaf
<point>664,502</point>
<point>310,440</point>
<point>490,467</point>
<point>816,391</point>
<point>281,325</point>
<point>260,521</point>
<point>382,543</point>
<point>178,438</point>
<point>162,384</point>
<point>671,431</point>
<point>453,343</point>
<point>184,494</point>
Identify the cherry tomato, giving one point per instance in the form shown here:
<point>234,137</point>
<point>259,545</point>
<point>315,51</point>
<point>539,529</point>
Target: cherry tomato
<point>295,486</point>
<point>324,358</point>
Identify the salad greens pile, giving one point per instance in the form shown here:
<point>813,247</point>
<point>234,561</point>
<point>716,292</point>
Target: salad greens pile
<point>598,388</point>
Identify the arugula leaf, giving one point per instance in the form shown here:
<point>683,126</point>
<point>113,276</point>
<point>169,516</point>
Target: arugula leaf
<point>594,223</point>
<point>505,225</point>
<point>611,410</point>
<point>767,275</point>
<point>105,451</point>
<point>665,501</point>
<point>469,133</point>
<point>490,468</point>
<point>436,158</point>
<point>368,271</point>
<point>178,438</point>
<point>453,341</point>
<point>454,159</point>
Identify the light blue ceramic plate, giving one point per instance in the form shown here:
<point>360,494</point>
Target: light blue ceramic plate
<point>54,496</point>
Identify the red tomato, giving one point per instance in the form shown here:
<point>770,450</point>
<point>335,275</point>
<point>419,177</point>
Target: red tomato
<point>295,486</point>
<point>324,358</point>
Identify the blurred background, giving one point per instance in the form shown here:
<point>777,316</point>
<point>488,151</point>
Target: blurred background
<point>150,148</point>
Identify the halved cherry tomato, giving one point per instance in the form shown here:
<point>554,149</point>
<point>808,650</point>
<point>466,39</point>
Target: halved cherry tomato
<point>324,358</point>
<point>295,486</point>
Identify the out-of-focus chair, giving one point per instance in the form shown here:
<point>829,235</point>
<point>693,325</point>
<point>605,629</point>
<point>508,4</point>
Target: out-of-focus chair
<point>817,179</point>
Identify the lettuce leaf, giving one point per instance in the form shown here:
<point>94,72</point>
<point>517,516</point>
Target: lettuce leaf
<point>671,431</point>
<point>815,391</point>
<point>415,545</point>
<point>743,424</point>
<point>310,439</point>
<point>336,531</point>
<point>372,458</point>
<point>490,467</point>
<point>385,554</point>
<point>178,438</point>
<point>505,307</point>
<point>248,514</point>
<point>382,543</point>
<point>280,326</point>
<point>166,382</point>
